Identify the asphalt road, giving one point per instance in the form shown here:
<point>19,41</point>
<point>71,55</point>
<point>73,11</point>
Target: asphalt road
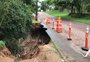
<point>65,46</point>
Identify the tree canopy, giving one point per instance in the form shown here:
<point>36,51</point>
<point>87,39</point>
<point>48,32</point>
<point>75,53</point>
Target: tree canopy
<point>75,6</point>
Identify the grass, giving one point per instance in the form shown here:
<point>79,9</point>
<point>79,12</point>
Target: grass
<point>57,13</point>
<point>64,15</point>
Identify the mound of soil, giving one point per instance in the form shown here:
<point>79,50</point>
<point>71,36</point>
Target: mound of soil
<point>5,52</point>
<point>5,55</point>
<point>47,54</point>
<point>29,49</point>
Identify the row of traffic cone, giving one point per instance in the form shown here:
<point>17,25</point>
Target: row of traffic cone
<point>86,46</point>
<point>58,27</point>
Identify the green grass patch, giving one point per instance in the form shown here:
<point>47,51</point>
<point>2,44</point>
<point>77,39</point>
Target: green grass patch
<point>57,13</point>
<point>65,15</point>
<point>82,20</point>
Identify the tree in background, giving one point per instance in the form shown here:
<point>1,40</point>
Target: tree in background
<point>75,6</point>
<point>31,4</point>
<point>43,6</point>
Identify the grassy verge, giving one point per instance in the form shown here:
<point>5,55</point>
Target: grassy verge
<point>64,15</point>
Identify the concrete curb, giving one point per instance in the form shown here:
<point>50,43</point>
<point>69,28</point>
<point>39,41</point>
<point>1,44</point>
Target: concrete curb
<point>63,55</point>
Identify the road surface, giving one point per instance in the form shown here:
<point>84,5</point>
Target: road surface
<point>64,45</point>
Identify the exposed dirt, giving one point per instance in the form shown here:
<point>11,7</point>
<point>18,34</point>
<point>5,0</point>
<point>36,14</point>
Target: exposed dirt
<point>5,55</point>
<point>47,54</point>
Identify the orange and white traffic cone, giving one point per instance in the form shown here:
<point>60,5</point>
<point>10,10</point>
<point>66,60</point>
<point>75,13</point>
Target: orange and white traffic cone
<point>47,20</point>
<point>53,24</point>
<point>69,32</point>
<point>86,40</point>
<point>59,20</point>
<point>59,27</point>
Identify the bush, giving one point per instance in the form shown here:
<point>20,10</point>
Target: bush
<point>2,44</point>
<point>15,21</point>
<point>15,18</point>
<point>13,46</point>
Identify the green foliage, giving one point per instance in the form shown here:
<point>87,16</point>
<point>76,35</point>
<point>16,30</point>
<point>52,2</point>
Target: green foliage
<point>2,44</point>
<point>43,6</point>
<point>28,1</point>
<point>75,6</point>
<point>13,46</point>
<point>15,18</point>
<point>31,4</point>
<point>57,13</point>
<point>15,21</point>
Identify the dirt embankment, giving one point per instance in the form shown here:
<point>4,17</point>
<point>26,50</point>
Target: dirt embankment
<point>5,55</point>
<point>47,54</point>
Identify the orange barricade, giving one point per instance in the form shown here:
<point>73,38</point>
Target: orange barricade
<point>59,25</point>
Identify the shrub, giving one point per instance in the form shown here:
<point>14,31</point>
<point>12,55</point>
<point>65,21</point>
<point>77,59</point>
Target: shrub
<point>15,21</point>
<point>2,44</point>
<point>15,18</point>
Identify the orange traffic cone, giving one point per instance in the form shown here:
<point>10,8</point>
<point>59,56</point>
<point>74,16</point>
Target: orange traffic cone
<point>47,20</point>
<point>55,25</point>
<point>69,33</point>
<point>59,20</point>
<point>86,40</point>
<point>52,24</point>
<point>59,27</point>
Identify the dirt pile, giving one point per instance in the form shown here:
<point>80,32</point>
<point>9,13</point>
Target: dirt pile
<point>47,54</point>
<point>5,52</point>
<point>29,48</point>
<point>6,59</point>
<point>5,55</point>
